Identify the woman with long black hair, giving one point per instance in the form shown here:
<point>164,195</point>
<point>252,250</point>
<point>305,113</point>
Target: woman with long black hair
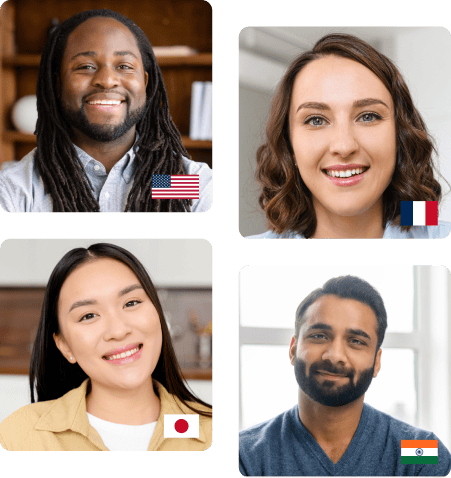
<point>103,372</point>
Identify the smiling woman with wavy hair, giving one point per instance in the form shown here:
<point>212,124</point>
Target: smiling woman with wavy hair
<point>344,146</point>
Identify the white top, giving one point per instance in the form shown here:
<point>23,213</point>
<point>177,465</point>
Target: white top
<point>391,232</point>
<point>118,437</point>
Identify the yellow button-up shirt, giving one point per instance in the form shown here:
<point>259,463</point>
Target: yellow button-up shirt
<point>63,425</point>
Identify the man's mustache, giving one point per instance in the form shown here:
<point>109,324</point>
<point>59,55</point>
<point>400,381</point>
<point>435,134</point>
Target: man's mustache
<point>329,367</point>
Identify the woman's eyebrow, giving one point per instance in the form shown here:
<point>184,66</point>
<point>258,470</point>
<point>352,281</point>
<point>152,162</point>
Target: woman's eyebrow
<point>82,303</point>
<point>356,104</point>
<point>130,288</point>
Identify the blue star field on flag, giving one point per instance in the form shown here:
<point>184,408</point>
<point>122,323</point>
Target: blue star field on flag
<point>175,186</point>
<point>161,181</point>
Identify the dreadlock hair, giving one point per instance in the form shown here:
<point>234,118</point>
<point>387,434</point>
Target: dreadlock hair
<point>158,150</point>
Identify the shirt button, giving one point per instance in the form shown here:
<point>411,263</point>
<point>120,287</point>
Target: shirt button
<point>96,167</point>
<point>107,195</point>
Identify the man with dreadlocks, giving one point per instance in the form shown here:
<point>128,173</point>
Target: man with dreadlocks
<point>103,126</point>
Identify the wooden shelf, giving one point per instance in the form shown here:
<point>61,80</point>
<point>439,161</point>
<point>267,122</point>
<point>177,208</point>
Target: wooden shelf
<point>22,60</point>
<point>197,373</point>
<point>18,137</point>
<point>195,144</point>
<point>201,59</point>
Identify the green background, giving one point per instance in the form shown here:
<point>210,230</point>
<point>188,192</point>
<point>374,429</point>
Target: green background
<point>219,226</point>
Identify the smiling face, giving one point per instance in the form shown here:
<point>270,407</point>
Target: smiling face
<point>109,325</point>
<point>103,82</point>
<point>342,130</point>
<point>335,356</point>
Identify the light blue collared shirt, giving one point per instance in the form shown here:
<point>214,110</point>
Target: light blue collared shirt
<point>391,232</point>
<point>22,189</point>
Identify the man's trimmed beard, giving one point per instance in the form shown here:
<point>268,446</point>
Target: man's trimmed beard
<point>102,132</point>
<point>328,392</point>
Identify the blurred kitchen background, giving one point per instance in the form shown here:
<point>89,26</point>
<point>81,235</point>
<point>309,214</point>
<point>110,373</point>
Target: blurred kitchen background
<point>180,270</point>
<point>423,55</point>
<point>414,383</point>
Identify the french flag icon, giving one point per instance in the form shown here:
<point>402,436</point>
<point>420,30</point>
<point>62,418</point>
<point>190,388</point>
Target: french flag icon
<point>181,426</point>
<point>419,213</point>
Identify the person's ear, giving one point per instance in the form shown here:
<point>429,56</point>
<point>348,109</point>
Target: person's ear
<point>377,363</point>
<point>64,348</point>
<point>146,78</point>
<point>292,350</point>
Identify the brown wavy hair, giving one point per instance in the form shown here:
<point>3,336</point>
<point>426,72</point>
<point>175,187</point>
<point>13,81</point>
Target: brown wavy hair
<point>286,199</point>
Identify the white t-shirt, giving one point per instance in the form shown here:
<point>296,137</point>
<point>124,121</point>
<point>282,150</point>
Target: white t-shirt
<point>118,437</point>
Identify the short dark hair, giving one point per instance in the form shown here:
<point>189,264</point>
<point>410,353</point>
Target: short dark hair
<point>285,198</point>
<point>158,150</point>
<point>52,375</point>
<point>347,287</point>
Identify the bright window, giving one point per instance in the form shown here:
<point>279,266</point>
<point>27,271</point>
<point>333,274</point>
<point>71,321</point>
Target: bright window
<point>270,295</point>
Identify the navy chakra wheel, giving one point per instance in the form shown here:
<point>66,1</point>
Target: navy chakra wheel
<point>419,452</point>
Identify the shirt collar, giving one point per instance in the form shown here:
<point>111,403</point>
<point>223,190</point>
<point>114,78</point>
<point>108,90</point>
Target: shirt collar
<point>126,165</point>
<point>170,405</point>
<point>69,413</point>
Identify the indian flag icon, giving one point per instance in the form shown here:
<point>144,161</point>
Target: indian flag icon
<point>415,452</point>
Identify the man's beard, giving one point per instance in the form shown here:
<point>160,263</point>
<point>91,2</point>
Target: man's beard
<point>102,132</point>
<point>327,392</point>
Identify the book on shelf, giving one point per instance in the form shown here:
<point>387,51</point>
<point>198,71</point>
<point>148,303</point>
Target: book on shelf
<point>177,50</point>
<point>201,111</point>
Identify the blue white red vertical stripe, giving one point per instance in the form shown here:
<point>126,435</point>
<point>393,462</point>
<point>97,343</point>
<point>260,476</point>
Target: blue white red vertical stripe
<point>419,213</point>
<point>178,186</point>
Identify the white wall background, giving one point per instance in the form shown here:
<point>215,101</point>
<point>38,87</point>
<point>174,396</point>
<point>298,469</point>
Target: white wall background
<point>27,262</point>
<point>423,55</point>
<point>172,262</point>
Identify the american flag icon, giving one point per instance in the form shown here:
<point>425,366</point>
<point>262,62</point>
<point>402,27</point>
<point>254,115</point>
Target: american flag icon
<point>176,186</point>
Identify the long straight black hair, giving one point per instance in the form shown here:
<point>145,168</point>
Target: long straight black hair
<point>50,372</point>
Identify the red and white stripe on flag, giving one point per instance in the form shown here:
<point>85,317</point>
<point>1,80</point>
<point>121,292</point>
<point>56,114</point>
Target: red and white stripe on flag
<point>181,426</point>
<point>425,213</point>
<point>180,186</point>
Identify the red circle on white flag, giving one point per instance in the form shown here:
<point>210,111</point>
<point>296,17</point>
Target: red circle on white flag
<point>181,426</point>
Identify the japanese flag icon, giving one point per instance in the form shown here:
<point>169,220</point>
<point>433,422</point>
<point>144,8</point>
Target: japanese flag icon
<point>181,426</point>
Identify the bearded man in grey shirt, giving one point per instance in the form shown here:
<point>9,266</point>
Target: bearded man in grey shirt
<point>336,352</point>
<point>104,128</point>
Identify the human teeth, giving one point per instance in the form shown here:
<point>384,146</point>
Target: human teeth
<point>345,174</point>
<point>123,354</point>
<point>105,102</point>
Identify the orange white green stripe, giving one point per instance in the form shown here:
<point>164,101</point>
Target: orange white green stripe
<point>415,452</point>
